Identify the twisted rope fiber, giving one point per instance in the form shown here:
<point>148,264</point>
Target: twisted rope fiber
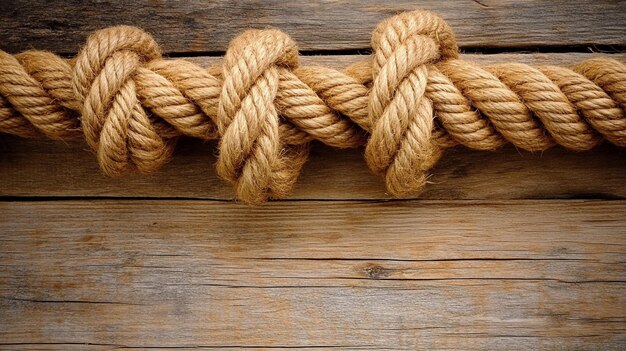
<point>407,103</point>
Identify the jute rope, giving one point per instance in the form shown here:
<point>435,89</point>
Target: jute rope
<point>411,100</point>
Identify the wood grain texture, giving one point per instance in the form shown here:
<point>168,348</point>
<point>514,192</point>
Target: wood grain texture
<point>201,26</point>
<point>168,263</point>
<point>48,168</point>
<point>359,275</point>
<point>51,169</point>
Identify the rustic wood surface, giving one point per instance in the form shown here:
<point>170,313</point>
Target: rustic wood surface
<point>200,26</point>
<point>52,169</point>
<point>320,275</point>
<point>506,250</point>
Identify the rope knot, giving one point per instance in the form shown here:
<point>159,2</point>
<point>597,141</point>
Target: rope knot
<point>252,155</point>
<point>421,33</point>
<point>114,122</point>
<point>401,145</point>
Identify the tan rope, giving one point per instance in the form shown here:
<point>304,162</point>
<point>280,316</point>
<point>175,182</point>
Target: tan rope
<point>408,102</point>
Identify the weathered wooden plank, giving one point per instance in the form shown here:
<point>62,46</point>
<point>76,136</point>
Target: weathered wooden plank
<point>359,275</point>
<point>200,26</point>
<point>47,168</point>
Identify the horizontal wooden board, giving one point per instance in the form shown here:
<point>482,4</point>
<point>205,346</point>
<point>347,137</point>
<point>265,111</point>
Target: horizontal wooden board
<point>48,168</point>
<point>337,275</point>
<point>201,26</point>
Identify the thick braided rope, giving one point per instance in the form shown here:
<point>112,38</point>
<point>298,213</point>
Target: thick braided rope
<point>407,103</point>
<point>401,145</point>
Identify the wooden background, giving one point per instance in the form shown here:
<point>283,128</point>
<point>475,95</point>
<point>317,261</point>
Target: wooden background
<point>506,250</point>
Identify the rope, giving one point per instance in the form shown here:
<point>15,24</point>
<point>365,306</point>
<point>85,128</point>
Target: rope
<point>412,99</point>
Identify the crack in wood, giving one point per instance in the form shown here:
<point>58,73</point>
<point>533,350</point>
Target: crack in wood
<point>481,4</point>
<point>21,299</point>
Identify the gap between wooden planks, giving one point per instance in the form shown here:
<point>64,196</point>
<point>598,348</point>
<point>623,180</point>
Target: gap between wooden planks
<point>399,275</point>
<point>49,168</point>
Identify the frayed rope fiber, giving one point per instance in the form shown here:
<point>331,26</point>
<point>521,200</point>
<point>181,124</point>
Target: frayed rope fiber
<point>408,102</point>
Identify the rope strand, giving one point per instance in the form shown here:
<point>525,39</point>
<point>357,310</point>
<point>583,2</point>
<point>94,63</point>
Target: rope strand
<point>407,103</point>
